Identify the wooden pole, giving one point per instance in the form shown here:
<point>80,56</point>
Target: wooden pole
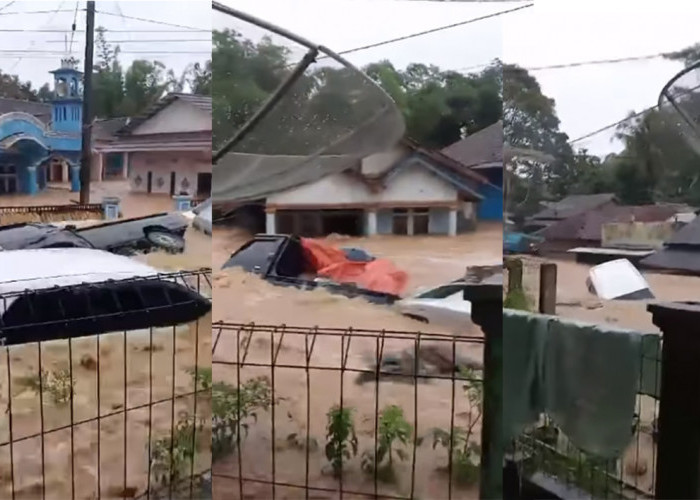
<point>548,288</point>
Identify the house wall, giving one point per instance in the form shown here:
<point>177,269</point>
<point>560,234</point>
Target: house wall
<point>384,222</point>
<point>412,184</point>
<point>646,234</point>
<point>439,222</point>
<point>179,116</point>
<point>185,164</point>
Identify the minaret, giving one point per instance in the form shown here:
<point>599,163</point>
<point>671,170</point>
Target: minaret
<point>67,104</point>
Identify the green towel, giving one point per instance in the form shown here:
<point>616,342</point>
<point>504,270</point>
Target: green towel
<point>523,347</point>
<point>591,378</point>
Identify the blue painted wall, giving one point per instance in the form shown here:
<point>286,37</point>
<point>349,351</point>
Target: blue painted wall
<point>384,221</point>
<point>439,221</point>
<point>491,207</point>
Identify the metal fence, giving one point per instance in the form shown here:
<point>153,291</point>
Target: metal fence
<point>119,415</point>
<point>545,455</point>
<point>49,213</point>
<point>300,412</point>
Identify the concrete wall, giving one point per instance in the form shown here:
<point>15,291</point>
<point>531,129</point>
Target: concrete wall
<point>180,116</point>
<point>644,234</point>
<point>384,222</point>
<point>411,184</point>
<point>185,164</point>
<point>439,222</point>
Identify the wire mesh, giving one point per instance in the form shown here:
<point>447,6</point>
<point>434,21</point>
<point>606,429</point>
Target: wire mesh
<point>124,414</point>
<point>302,412</point>
<point>679,103</point>
<point>545,451</point>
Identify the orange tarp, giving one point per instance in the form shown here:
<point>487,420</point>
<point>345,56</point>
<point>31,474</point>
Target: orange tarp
<point>380,275</point>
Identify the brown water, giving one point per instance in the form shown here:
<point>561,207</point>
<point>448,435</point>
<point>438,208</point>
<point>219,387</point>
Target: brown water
<point>244,298</point>
<point>132,204</point>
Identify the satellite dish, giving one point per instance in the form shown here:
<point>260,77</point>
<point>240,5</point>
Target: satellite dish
<point>679,103</point>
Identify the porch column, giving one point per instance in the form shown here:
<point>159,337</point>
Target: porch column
<point>371,228</point>
<point>270,221</point>
<point>75,177</point>
<point>32,186</point>
<point>452,222</point>
<point>125,164</point>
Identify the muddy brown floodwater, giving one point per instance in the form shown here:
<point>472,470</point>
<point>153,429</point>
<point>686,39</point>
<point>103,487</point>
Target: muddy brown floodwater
<point>244,298</point>
<point>120,460</point>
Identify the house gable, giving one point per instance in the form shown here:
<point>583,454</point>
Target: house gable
<point>179,116</point>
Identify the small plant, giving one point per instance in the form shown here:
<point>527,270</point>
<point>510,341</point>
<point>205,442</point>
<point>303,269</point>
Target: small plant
<point>170,457</point>
<point>341,439</point>
<point>58,385</point>
<point>232,410</point>
<point>465,453</point>
<point>202,378</point>
<point>393,429</point>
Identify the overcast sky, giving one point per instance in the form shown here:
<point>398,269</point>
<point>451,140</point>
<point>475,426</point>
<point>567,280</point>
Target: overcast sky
<point>18,49</point>
<point>591,97</point>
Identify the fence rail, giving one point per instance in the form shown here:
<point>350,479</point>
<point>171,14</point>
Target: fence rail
<point>405,427</point>
<point>49,213</point>
<point>119,415</point>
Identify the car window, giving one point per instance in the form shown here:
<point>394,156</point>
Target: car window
<point>253,254</point>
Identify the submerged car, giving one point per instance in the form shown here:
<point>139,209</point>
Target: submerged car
<point>125,237</point>
<point>443,305</point>
<point>618,280</point>
<point>203,217</point>
<point>57,293</point>
<point>280,259</point>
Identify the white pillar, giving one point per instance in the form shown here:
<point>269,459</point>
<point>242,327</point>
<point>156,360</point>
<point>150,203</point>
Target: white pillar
<point>125,164</point>
<point>452,225</point>
<point>270,226</point>
<point>409,222</point>
<point>371,228</point>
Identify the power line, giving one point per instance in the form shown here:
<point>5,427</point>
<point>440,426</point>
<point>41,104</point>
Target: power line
<point>14,13</point>
<point>626,119</point>
<point>146,20</point>
<point>8,4</point>
<point>434,30</point>
<point>145,40</point>
<point>33,42</point>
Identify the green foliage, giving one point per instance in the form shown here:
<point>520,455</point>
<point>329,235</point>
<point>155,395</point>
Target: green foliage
<point>233,410</point>
<point>439,107</point>
<point>517,299</point>
<point>341,439</point>
<point>393,429</point>
<point>171,457</point>
<point>465,453</point>
<point>57,384</point>
<point>202,378</point>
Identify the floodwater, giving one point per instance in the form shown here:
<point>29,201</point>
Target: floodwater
<point>244,298</point>
<point>132,204</point>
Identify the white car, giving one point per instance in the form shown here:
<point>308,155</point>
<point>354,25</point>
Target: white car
<point>54,293</point>
<point>201,216</point>
<point>443,305</point>
<point>618,280</point>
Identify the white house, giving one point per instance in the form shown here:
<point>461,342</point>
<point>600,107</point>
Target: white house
<point>408,190</point>
<point>167,150</point>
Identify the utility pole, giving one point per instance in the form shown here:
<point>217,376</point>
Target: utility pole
<point>86,151</point>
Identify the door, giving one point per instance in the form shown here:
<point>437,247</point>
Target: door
<point>172,183</point>
<point>204,185</point>
<point>56,172</point>
<point>149,182</point>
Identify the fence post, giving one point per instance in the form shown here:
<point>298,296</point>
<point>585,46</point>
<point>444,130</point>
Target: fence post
<point>486,297</point>
<point>678,448</point>
<point>515,273</point>
<point>548,288</point>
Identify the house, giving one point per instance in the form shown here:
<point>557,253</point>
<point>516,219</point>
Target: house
<point>166,150</point>
<point>681,253</point>
<point>41,142</point>
<point>408,190</point>
<point>572,205</point>
<point>587,228</point>
<point>482,152</point>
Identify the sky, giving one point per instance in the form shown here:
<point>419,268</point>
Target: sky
<point>593,96</point>
<point>346,24</point>
<point>18,50</point>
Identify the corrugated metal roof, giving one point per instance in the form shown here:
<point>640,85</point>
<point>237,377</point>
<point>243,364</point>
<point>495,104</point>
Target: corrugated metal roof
<point>588,225</point>
<point>199,101</point>
<point>674,259</point>
<point>484,146</point>
<point>40,110</point>
<point>574,205</point>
